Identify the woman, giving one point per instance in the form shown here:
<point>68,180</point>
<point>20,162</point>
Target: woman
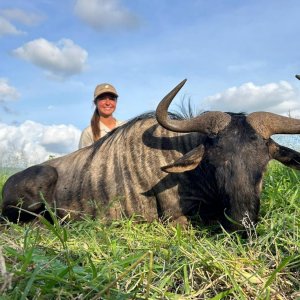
<point>102,122</point>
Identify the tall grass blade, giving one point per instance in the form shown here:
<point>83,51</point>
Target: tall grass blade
<point>29,284</point>
<point>222,295</point>
<point>280,267</point>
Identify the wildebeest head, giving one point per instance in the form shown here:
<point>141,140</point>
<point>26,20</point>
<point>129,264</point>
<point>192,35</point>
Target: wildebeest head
<point>233,157</point>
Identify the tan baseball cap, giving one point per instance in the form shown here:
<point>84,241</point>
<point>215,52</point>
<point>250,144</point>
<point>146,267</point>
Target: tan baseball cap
<point>104,88</point>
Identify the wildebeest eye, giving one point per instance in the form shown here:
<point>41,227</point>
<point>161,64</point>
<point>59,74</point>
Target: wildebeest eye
<point>253,137</point>
<point>212,135</point>
<point>212,139</point>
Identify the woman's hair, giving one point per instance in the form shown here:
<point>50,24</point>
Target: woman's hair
<point>95,123</point>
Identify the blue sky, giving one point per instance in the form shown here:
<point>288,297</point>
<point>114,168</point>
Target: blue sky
<point>236,55</point>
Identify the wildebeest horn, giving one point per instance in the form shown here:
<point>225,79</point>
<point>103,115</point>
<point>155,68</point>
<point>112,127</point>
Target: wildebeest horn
<point>297,76</point>
<point>266,124</point>
<point>208,123</point>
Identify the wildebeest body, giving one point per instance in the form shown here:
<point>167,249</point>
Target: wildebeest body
<point>120,175</point>
<point>214,163</point>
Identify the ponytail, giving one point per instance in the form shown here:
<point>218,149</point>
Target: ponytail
<point>95,125</point>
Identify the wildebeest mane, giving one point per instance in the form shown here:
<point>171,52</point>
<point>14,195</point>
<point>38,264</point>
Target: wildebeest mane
<point>123,129</point>
<point>184,112</point>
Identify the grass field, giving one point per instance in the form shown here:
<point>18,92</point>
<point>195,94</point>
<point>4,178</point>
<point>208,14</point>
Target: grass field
<point>130,260</point>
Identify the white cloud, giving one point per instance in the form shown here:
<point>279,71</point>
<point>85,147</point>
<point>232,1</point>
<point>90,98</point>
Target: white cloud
<point>60,60</point>
<point>32,143</point>
<point>21,16</point>
<point>281,98</point>
<point>8,28</point>
<point>103,14</point>
<point>7,92</point>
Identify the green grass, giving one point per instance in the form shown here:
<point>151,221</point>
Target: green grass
<point>131,260</point>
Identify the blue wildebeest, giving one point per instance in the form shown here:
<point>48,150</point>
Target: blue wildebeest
<point>210,166</point>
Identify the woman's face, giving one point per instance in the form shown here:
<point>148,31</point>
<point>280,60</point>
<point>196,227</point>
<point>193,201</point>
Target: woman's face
<point>106,104</point>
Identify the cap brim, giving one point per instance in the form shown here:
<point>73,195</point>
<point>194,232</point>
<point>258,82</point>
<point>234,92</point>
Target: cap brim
<point>106,92</point>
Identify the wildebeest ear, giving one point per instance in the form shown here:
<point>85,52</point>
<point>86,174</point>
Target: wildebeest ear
<point>187,162</point>
<point>285,155</point>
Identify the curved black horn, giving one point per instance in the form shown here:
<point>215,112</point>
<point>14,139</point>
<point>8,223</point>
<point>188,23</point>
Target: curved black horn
<point>297,76</point>
<point>208,123</point>
<point>162,108</point>
<point>266,124</point>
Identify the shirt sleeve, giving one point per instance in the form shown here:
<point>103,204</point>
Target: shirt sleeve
<point>86,138</point>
